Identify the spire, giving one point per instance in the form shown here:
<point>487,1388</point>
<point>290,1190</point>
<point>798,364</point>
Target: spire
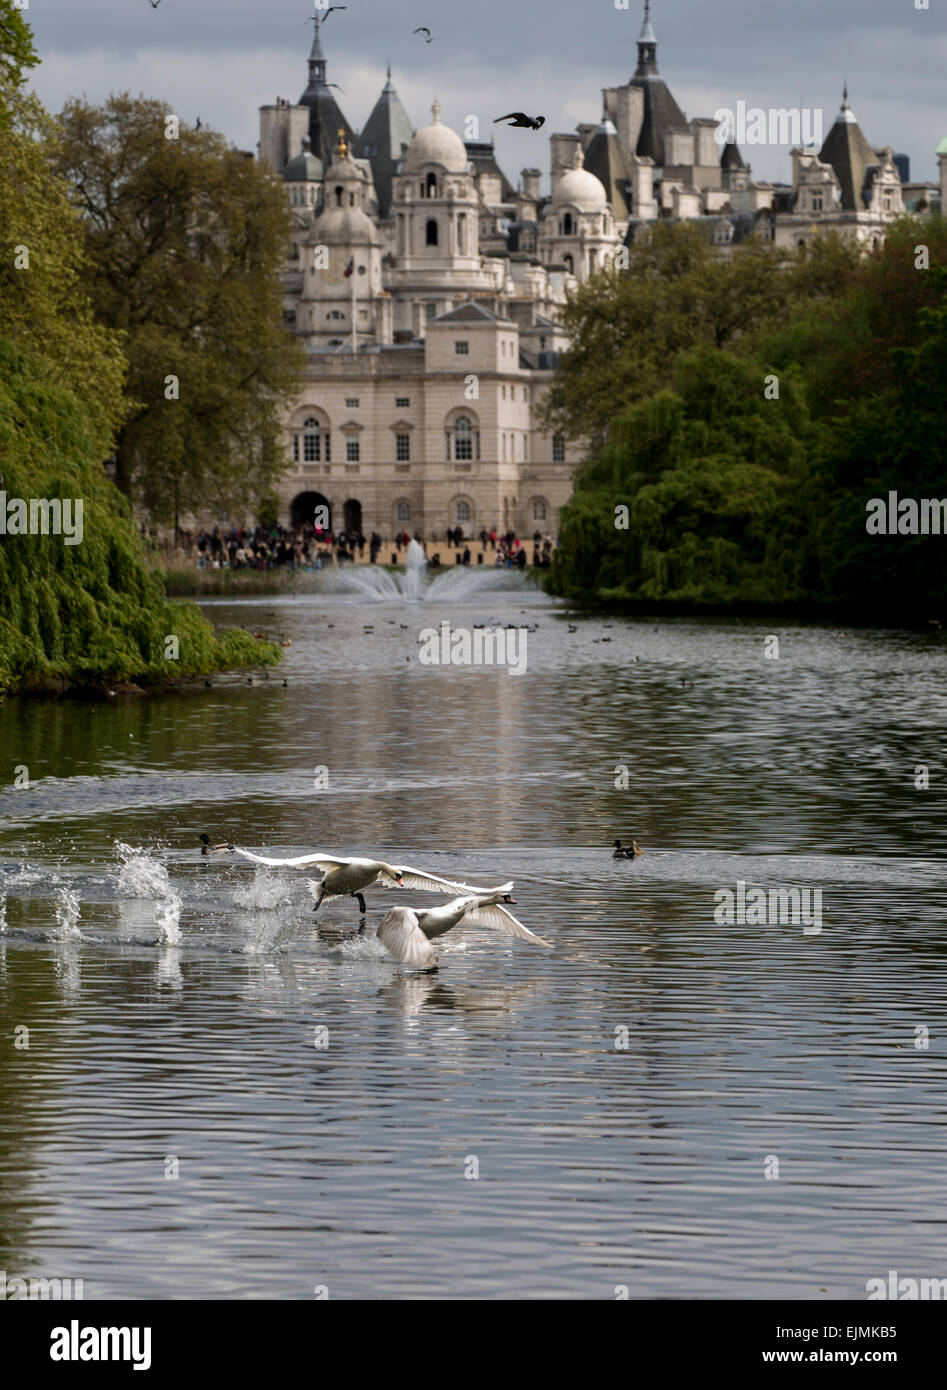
<point>343,149</point>
<point>647,47</point>
<point>846,114</point>
<point>436,110</point>
<point>317,59</point>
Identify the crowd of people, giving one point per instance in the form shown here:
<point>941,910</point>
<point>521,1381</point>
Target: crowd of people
<point>309,547</point>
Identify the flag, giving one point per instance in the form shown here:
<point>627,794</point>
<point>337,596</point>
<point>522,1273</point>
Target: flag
<point>350,267</point>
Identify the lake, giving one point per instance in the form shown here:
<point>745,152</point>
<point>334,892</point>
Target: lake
<point>224,1096</point>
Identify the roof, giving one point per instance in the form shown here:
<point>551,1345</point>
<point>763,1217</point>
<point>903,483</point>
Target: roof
<point>482,154</point>
<point>606,159</point>
<point>305,168</point>
<point>384,140</point>
<point>468,312</point>
<point>942,147</point>
<point>325,115</point>
<point>731,157</point>
<point>850,155</point>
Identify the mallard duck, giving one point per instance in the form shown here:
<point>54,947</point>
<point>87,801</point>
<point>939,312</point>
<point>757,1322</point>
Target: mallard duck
<point>627,851</point>
<point>208,848</point>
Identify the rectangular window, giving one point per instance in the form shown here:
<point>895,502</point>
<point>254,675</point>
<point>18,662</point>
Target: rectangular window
<point>402,447</point>
<point>558,449</point>
<point>311,446</point>
<point>295,448</point>
<point>351,451</point>
<point>461,347</point>
<point>351,402</point>
<point>325,440</point>
<point>402,402</point>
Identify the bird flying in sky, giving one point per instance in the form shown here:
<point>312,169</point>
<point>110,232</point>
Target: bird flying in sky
<point>423,29</point>
<point>519,118</point>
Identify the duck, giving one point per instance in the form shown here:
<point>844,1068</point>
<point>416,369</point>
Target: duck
<point>406,933</point>
<point>346,878</point>
<point>627,851</point>
<point>208,848</point>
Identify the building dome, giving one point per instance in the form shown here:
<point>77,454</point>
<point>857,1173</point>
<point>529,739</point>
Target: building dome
<point>581,189</point>
<point>436,144</point>
<point>305,168</point>
<point>345,227</point>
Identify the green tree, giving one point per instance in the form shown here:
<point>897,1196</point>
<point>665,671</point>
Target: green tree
<point>186,238</point>
<point>678,293</point>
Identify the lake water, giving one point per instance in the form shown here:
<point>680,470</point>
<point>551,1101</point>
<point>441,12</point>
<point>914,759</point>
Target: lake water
<point>174,1130</point>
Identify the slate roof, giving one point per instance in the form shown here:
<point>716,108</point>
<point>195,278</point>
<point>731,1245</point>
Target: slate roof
<point>387,133</point>
<point>850,155</point>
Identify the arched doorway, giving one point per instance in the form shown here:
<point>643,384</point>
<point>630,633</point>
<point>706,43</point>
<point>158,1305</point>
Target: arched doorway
<point>303,510</point>
<point>353,516</point>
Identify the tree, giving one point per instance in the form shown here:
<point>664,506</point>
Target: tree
<point>678,293</point>
<point>186,238</point>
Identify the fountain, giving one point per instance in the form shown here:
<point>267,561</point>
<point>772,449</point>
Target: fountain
<point>414,571</point>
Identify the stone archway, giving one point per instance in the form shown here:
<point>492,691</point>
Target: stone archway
<point>303,510</point>
<point>353,517</point>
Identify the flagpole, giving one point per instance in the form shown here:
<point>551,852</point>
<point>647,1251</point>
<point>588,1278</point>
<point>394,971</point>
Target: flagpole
<point>354,350</point>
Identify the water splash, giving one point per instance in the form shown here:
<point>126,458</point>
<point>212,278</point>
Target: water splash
<point>67,915</point>
<point>414,563</point>
<point>3,912</point>
<point>376,585</point>
<point>264,891</point>
<point>142,876</point>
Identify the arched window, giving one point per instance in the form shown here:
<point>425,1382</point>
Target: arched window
<point>462,234</point>
<point>567,224</point>
<point>463,440</point>
<point>430,232</point>
<point>432,185</point>
<point>539,509</point>
<point>567,261</point>
<point>421,189</point>
<point>312,441</point>
<point>338,195</point>
<point>402,511</point>
<point>462,510</point>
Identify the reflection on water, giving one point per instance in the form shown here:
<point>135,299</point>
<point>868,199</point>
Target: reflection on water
<point>622,1095</point>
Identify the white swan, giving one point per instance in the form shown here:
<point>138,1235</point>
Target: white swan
<point>406,933</point>
<point>345,878</point>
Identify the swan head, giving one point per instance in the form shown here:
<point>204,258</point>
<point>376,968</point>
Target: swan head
<point>396,874</point>
<point>508,898</point>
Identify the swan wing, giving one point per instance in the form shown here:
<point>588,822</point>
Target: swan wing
<point>429,883</point>
<point>323,861</point>
<point>496,915</point>
<point>402,938</point>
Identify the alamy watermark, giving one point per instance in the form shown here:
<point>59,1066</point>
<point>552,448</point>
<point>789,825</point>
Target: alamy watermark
<point>906,517</point>
<point>14,1286</point>
<point>461,646</point>
<point>783,125</point>
<point>42,516</point>
<point>906,1290</point>
<point>757,907</point>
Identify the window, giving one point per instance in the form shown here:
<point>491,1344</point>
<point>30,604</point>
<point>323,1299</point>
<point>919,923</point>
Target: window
<point>567,224</point>
<point>462,234</point>
<point>503,393</point>
<point>461,348</point>
<point>887,202</point>
<point>817,202</point>
<point>351,402</point>
<point>402,511</point>
<point>558,449</point>
<point>311,441</point>
<point>462,511</point>
<point>403,402</point>
<point>539,509</point>
<point>567,261</point>
<point>295,448</point>
<point>351,451</point>
<point>403,447</point>
<point>432,185</point>
<point>430,232</point>
<point>463,443</point>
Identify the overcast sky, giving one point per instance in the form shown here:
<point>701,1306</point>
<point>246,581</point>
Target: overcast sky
<point>222,59</point>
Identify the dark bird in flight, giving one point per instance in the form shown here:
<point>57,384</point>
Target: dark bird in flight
<point>335,84</point>
<point>519,118</point>
<point>312,17</point>
<point>197,123</point>
<point>423,29</point>
<point>154,3</point>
